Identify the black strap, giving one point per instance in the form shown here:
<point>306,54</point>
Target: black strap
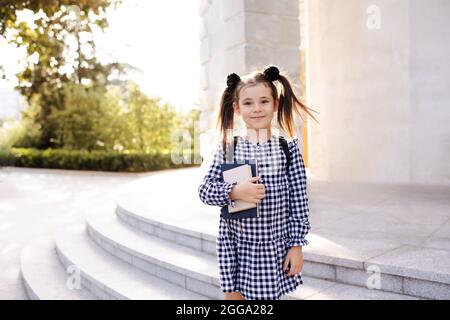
<point>283,143</point>
<point>285,147</point>
<point>225,150</point>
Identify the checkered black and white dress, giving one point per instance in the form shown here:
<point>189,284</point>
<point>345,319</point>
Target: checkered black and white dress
<point>251,251</point>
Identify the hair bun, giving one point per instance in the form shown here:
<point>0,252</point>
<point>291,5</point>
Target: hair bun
<point>232,80</point>
<point>272,73</point>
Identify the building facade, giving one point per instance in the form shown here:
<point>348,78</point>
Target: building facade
<point>376,71</point>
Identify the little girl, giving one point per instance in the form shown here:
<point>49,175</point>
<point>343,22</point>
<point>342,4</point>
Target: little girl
<point>261,257</point>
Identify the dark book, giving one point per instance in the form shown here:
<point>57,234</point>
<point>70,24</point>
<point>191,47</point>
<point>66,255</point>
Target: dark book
<point>236,172</point>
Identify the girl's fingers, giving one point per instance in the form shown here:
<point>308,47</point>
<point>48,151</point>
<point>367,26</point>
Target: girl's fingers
<point>259,195</point>
<point>293,273</point>
<point>286,264</point>
<point>295,269</point>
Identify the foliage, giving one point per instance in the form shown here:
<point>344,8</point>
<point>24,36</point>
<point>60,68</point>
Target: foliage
<point>76,103</point>
<point>88,160</point>
<point>78,122</point>
<point>115,118</point>
<point>60,49</point>
<point>23,132</point>
<point>150,121</point>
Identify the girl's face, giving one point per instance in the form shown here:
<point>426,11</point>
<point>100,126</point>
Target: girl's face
<point>256,106</point>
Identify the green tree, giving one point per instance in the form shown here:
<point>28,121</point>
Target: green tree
<point>114,124</point>
<point>78,123</point>
<point>150,122</point>
<point>48,41</point>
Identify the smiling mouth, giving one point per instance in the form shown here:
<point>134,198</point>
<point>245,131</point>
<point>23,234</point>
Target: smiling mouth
<point>258,117</point>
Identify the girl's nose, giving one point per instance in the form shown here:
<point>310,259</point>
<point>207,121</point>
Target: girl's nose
<point>257,109</point>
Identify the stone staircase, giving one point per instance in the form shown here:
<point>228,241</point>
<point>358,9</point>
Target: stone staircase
<point>119,255</point>
<point>120,252</point>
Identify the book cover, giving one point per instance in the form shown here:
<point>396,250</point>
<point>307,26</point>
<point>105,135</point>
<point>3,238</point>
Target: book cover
<point>236,172</point>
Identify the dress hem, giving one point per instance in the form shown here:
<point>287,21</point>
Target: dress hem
<point>283,293</point>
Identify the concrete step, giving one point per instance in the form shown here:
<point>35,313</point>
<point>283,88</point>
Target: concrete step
<point>193,233</point>
<point>197,235</point>
<point>196,269</point>
<point>107,277</point>
<point>44,276</point>
<point>186,267</point>
<point>346,244</point>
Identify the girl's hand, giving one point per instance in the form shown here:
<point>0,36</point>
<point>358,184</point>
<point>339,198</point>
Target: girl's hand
<point>294,258</point>
<point>248,190</point>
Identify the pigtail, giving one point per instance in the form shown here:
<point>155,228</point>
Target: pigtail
<point>225,119</point>
<point>288,104</point>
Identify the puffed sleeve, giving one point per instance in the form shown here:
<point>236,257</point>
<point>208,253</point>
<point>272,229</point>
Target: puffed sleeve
<point>214,190</point>
<point>298,198</point>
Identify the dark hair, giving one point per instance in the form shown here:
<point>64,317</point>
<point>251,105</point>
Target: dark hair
<point>288,102</point>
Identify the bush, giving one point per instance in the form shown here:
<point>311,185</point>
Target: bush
<point>19,133</point>
<point>88,160</point>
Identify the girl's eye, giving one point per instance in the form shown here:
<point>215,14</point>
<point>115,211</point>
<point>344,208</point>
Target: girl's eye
<point>266,101</point>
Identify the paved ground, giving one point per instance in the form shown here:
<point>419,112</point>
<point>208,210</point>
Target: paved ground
<point>34,202</point>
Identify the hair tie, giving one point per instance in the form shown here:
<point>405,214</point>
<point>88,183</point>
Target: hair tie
<point>272,73</point>
<point>232,80</point>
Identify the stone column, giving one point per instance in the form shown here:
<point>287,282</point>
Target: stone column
<point>379,74</point>
<point>241,36</point>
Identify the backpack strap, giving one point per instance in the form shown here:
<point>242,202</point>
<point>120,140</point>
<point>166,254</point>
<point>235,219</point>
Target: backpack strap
<point>224,148</point>
<point>283,143</point>
<point>285,147</point>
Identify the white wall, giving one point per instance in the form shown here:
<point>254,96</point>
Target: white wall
<point>383,93</point>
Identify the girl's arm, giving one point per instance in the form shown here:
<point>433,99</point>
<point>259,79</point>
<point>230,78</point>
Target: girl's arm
<point>214,190</point>
<point>298,198</point>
